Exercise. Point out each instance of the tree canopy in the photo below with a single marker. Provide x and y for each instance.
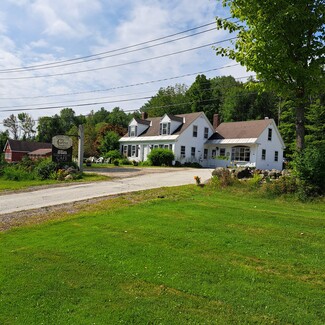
(283, 42)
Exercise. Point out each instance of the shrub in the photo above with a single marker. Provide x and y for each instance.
(16, 173)
(3, 163)
(309, 168)
(27, 164)
(113, 155)
(45, 168)
(159, 157)
(192, 165)
(223, 177)
(255, 181)
(177, 164)
(145, 163)
(116, 162)
(283, 185)
(125, 161)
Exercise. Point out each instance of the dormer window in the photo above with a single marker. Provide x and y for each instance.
(133, 130)
(164, 128)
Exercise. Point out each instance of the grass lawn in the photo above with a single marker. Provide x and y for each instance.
(9, 185)
(185, 255)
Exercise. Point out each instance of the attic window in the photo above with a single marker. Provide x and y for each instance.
(164, 128)
(133, 131)
(269, 135)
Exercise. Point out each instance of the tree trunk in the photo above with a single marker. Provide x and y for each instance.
(300, 120)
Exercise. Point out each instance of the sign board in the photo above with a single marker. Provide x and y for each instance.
(61, 149)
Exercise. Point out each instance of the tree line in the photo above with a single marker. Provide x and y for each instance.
(231, 99)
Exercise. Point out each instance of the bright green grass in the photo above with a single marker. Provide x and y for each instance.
(8, 185)
(195, 256)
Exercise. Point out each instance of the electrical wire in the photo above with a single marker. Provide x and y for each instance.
(18, 108)
(106, 52)
(110, 55)
(122, 87)
(120, 64)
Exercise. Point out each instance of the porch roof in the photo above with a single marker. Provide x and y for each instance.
(243, 141)
(149, 138)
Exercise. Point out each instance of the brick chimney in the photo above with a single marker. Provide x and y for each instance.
(144, 115)
(215, 121)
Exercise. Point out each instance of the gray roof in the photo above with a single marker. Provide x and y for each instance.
(154, 122)
(27, 146)
(240, 130)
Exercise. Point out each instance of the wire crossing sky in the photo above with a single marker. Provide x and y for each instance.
(107, 47)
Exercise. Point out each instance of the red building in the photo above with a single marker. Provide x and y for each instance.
(15, 150)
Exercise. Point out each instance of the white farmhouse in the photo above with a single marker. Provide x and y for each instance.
(184, 134)
(251, 143)
(192, 138)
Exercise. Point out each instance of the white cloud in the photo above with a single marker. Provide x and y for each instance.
(38, 44)
(53, 28)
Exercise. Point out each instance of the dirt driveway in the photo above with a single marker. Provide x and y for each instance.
(123, 172)
(38, 205)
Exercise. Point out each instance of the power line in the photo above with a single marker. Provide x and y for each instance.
(120, 64)
(106, 52)
(106, 56)
(122, 87)
(106, 97)
(18, 108)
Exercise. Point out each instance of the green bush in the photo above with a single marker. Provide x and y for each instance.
(223, 178)
(145, 163)
(113, 155)
(27, 164)
(255, 181)
(45, 168)
(3, 163)
(159, 157)
(17, 173)
(281, 186)
(125, 161)
(309, 168)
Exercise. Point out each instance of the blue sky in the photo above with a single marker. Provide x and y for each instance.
(34, 32)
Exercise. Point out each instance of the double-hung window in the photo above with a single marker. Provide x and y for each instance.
(164, 128)
(182, 151)
(222, 152)
(206, 133)
(195, 131)
(133, 130)
(193, 152)
(269, 134)
(276, 155)
(205, 154)
(263, 154)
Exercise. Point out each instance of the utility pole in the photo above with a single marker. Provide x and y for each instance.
(80, 147)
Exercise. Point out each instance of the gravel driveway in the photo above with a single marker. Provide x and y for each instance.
(125, 180)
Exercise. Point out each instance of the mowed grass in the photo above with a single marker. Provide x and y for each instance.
(185, 255)
(10, 185)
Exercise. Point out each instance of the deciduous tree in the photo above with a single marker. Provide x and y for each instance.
(283, 42)
(13, 126)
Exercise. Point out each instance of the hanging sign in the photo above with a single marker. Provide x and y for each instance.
(61, 149)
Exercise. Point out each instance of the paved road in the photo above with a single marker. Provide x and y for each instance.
(10, 203)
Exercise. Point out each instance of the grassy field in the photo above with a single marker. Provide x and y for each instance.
(9, 185)
(185, 255)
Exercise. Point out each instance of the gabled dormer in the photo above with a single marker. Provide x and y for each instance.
(137, 127)
(169, 124)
